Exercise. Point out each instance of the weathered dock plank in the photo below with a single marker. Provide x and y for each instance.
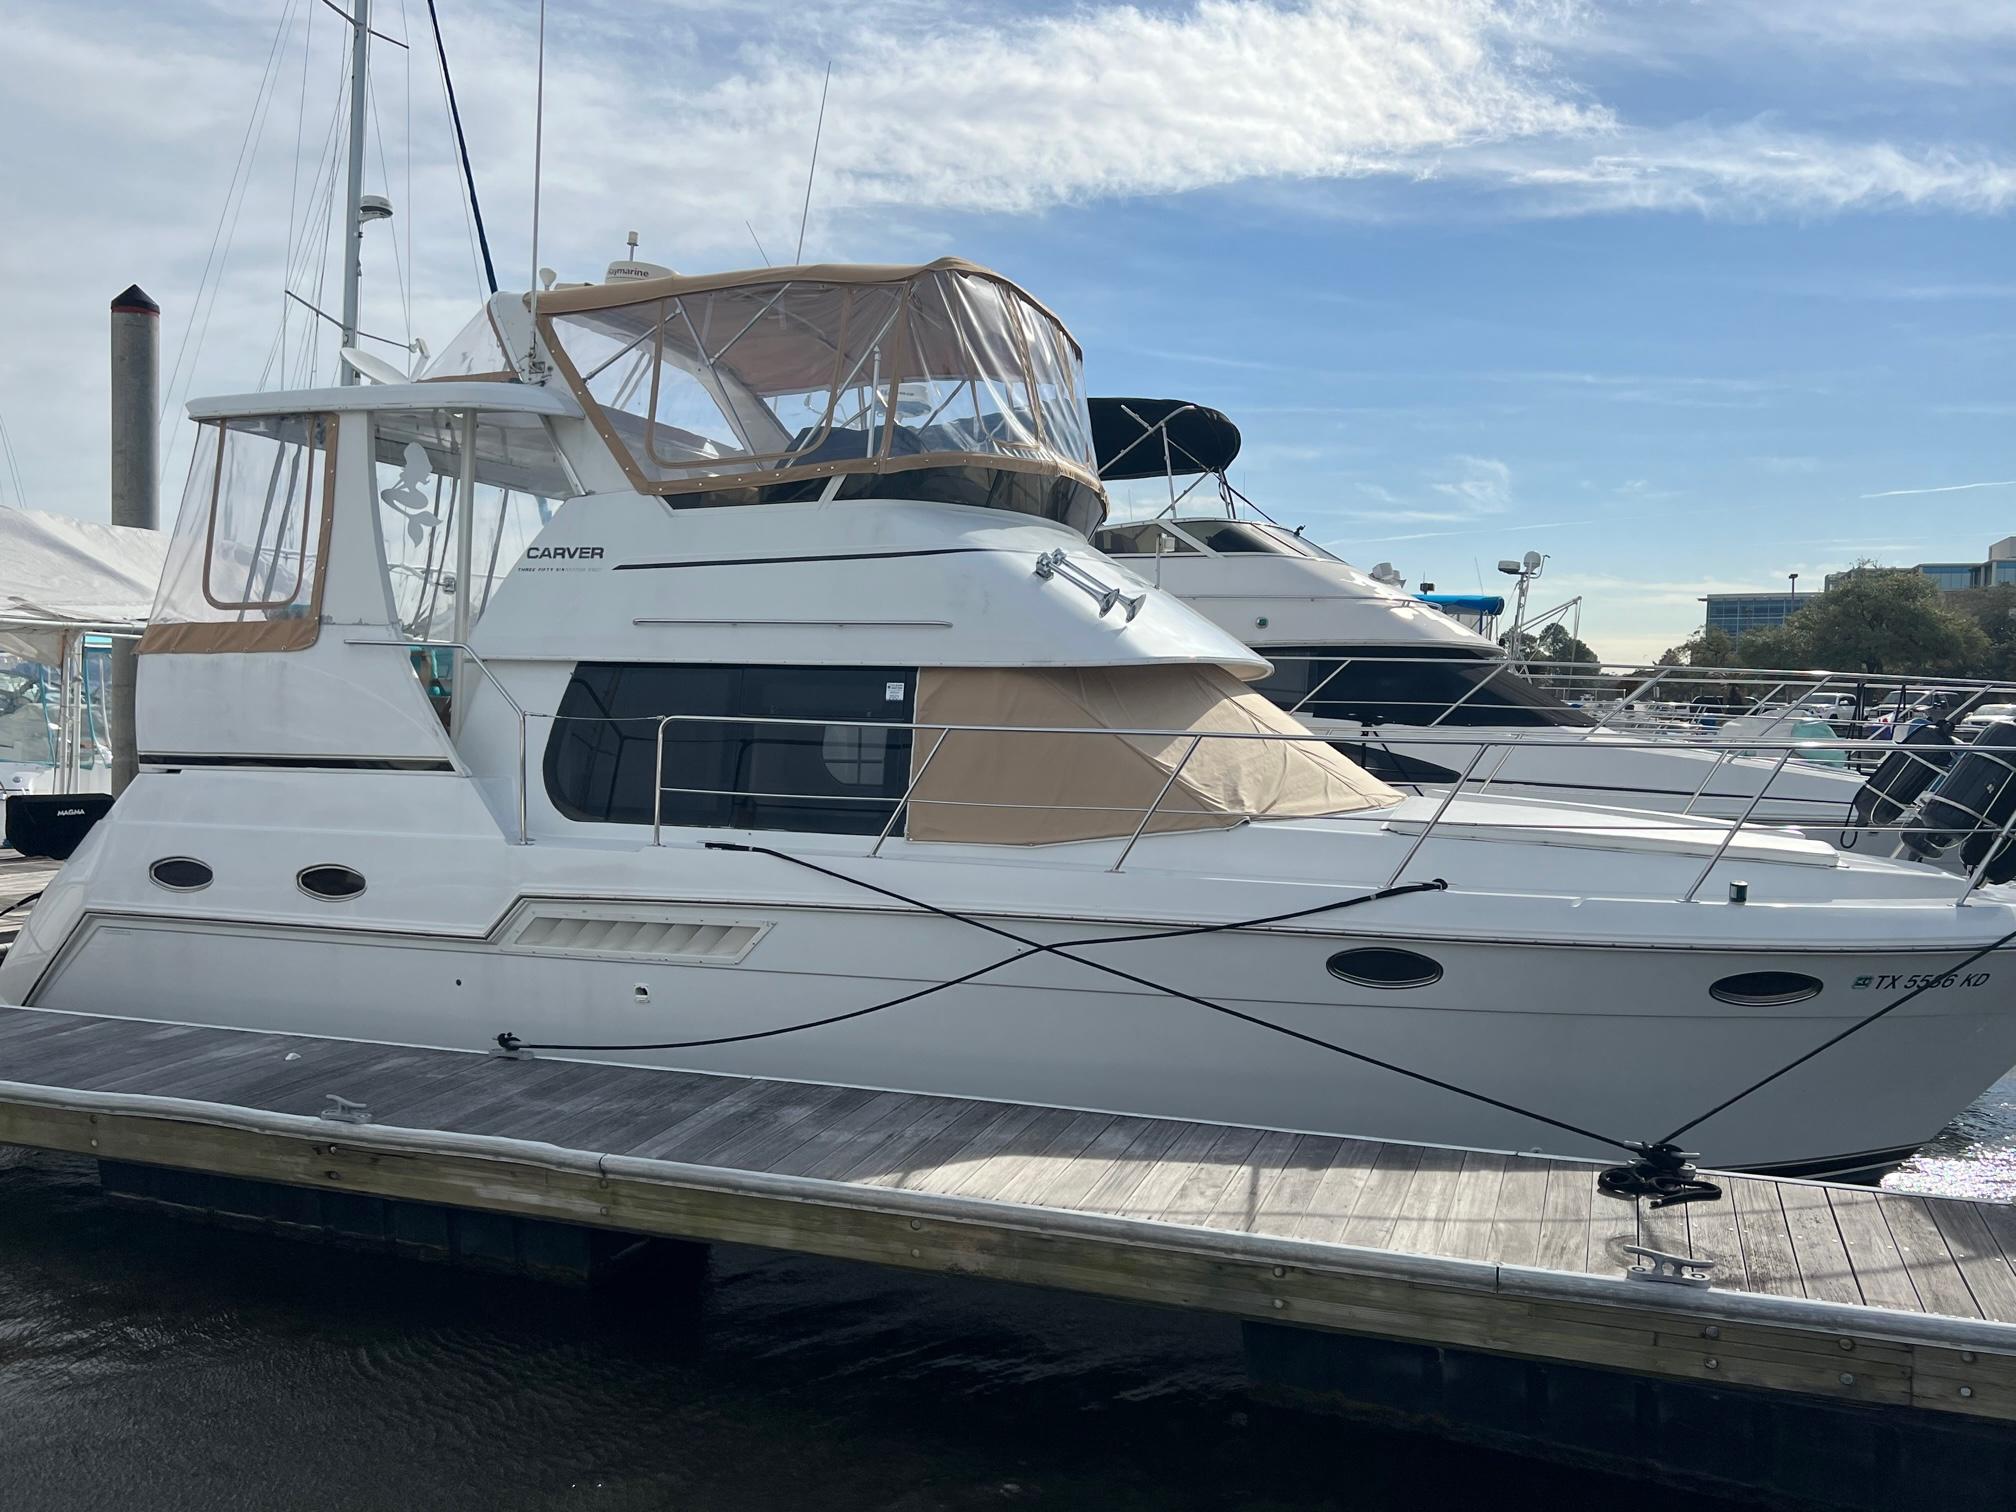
(1465, 1249)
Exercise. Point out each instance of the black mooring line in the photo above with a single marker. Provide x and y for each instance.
(1188, 997)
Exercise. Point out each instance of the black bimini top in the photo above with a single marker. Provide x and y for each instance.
(1130, 445)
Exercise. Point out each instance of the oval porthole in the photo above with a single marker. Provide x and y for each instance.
(180, 874)
(333, 882)
(1765, 989)
(1381, 967)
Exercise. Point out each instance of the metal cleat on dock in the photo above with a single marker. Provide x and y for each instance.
(343, 1110)
(1669, 1270)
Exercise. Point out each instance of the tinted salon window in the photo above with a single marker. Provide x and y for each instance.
(841, 777)
(1381, 685)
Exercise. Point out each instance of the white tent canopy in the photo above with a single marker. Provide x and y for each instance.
(59, 575)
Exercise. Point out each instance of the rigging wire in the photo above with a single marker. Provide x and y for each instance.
(13, 466)
(385, 174)
(240, 177)
(294, 187)
(472, 208)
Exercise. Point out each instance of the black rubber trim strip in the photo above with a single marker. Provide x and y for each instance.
(1834, 1167)
(844, 556)
(308, 763)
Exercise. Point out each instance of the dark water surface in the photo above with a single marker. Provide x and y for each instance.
(1975, 1157)
(153, 1362)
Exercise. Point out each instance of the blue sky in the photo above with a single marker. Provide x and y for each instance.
(1690, 294)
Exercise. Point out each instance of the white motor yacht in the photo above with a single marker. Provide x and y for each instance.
(1399, 684)
(808, 738)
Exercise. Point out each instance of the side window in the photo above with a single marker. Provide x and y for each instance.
(266, 515)
(839, 771)
(244, 566)
(1141, 540)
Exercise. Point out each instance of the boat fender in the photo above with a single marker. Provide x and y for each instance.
(1922, 756)
(1973, 801)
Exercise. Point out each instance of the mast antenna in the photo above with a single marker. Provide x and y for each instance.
(353, 202)
(818, 131)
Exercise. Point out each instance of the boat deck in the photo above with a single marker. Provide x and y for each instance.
(1841, 1292)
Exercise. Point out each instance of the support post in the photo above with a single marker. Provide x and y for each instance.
(136, 498)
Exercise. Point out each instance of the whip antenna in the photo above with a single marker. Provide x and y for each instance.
(538, 152)
(818, 131)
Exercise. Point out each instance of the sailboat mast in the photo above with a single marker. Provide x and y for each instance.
(353, 205)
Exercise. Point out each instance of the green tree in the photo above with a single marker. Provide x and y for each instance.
(1573, 663)
(1874, 619)
(1994, 610)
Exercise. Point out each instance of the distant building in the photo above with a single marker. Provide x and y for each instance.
(1955, 576)
(1737, 613)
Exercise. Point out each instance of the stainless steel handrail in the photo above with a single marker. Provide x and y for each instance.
(518, 709)
(1729, 835)
(1174, 772)
(1478, 747)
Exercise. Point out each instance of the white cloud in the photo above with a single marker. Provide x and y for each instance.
(1752, 169)
(1898, 493)
(686, 122)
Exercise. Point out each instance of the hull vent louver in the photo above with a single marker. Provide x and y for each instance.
(632, 932)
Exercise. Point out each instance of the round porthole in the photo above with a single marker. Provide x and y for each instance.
(1765, 989)
(332, 882)
(1381, 967)
(180, 874)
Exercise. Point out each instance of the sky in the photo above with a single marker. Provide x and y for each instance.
(1689, 295)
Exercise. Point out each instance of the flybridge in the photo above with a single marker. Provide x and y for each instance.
(564, 553)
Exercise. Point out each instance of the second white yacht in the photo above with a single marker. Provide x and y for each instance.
(1398, 684)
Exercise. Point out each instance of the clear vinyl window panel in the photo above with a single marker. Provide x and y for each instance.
(767, 381)
(841, 772)
(244, 565)
(417, 485)
(269, 491)
(745, 381)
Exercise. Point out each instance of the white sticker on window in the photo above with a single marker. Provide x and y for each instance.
(892, 692)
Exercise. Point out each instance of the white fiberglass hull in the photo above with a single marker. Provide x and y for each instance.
(1621, 1038)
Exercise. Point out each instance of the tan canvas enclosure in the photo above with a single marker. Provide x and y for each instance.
(245, 564)
(785, 375)
(1036, 786)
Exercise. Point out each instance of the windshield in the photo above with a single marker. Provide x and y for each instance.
(762, 379)
(1250, 536)
(1385, 685)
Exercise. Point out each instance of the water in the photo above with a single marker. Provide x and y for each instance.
(153, 1362)
(1976, 1155)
